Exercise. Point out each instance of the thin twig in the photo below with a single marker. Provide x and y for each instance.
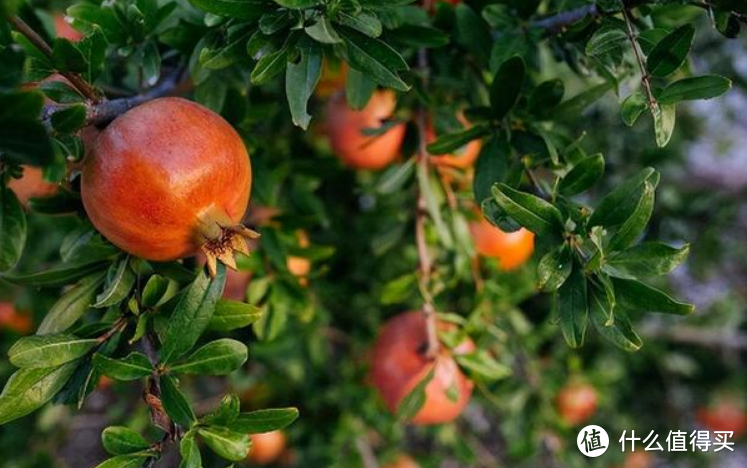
(645, 77)
(366, 453)
(82, 85)
(425, 262)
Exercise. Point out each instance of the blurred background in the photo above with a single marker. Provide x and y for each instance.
(312, 349)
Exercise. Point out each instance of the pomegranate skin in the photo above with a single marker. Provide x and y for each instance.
(163, 173)
(266, 447)
(399, 365)
(31, 185)
(577, 402)
(344, 127)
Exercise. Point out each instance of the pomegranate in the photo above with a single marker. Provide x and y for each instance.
(403, 461)
(31, 185)
(512, 249)
(577, 402)
(11, 319)
(725, 414)
(464, 157)
(266, 447)
(167, 179)
(399, 365)
(345, 128)
(63, 29)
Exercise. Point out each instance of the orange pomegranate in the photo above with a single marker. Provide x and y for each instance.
(638, 459)
(31, 185)
(512, 249)
(11, 319)
(266, 447)
(403, 461)
(399, 365)
(576, 402)
(464, 157)
(345, 128)
(332, 79)
(167, 179)
(725, 414)
(63, 29)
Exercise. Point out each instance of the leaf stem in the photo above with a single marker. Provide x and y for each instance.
(645, 77)
(75, 79)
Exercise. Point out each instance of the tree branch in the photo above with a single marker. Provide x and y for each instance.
(645, 78)
(75, 79)
(555, 24)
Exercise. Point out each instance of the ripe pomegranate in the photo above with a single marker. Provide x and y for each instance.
(512, 249)
(399, 365)
(464, 157)
(638, 459)
(403, 461)
(63, 29)
(332, 79)
(725, 414)
(266, 447)
(31, 185)
(167, 179)
(11, 319)
(577, 402)
(344, 127)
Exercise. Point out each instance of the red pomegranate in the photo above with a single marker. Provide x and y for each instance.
(577, 402)
(167, 179)
(399, 365)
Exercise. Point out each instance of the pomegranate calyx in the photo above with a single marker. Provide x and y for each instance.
(223, 248)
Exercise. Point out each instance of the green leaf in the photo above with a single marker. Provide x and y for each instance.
(228, 411)
(190, 452)
(375, 58)
(49, 350)
(155, 291)
(606, 40)
(583, 176)
(506, 86)
(120, 440)
(697, 87)
(366, 23)
(300, 81)
(484, 365)
(26, 142)
(670, 53)
(451, 142)
(120, 278)
(264, 420)
(572, 308)
(226, 443)
(192, 315)
(61, 92)
(57, 277)
(618, 331)
(632, 107)
(649, 259)
(618, 205)
(664, 119)
(12, 229)
(297, 4)
(67, 57)
(532, 212)
(634, 226)
(71, 306)
(578, 103)
(323, 31)
(132, 367)
(215, 358)
(417, 36)
(175, 403)
(232, 315)
(29, 389)
(554, 269)
(244, 9)
(491, 167)
(227, 55)
(26, 105)
(358, 89)
(414, 401)
(473, 33)
(642, 297)
(270, 65)
(133, 460)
